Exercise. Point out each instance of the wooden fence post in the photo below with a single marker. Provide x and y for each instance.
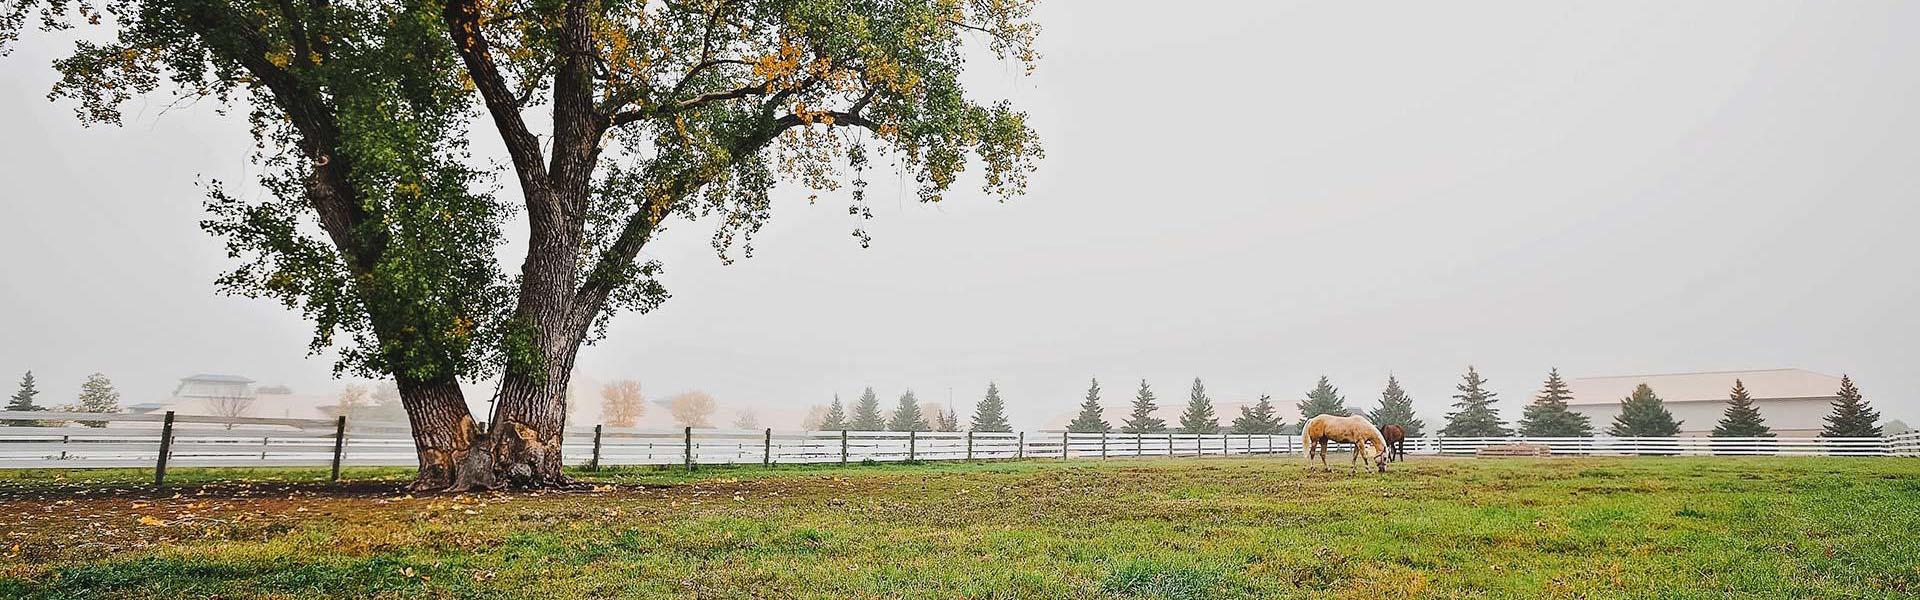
(913, 439)
(1103, 445)
(594, 464)
(166, 445)
(339, 444)
(766, 451)
(1064, 441)
(969, 444)
(843, 447)
(689, 448)
(1169, 444)
(1020, 449)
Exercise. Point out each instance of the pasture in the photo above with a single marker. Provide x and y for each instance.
(1241, 527)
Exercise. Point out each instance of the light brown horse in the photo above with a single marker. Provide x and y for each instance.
(1323, 430)
(1396, 441)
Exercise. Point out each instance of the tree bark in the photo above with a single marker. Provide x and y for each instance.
(445, 437)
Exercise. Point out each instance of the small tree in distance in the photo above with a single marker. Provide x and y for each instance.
(1643, 414)
(835, 418)
(1475, 415)
(1396, 409)
(97, 396)
(1548, 415)
(1852, 416)
(1258, 418)
(991, 413)
(1092, 418)
(866, 413)
(1199, 417)
(1742, 418)
(621, 403)
(22, 400)
(1141, 419)
(1323, 400)
(907, 415)
(692, 409)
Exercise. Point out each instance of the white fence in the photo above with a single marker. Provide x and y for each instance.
(56, 440)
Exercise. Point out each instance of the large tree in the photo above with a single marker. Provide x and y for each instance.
(1092, 418)
(616, 118)
(1258, 418)
(866, 413)
(1474, 414)
(1548, 415)
(907, 415)
(1323, 400)
(1643, 414)
(1741, 418)
(1199, 417)
(1141, 419)
(991, 413)
(1852, 416)
(1396, 408)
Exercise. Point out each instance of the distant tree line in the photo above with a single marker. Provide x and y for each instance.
(97, 395)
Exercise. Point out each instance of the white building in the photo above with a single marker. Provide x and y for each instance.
(1795, 402)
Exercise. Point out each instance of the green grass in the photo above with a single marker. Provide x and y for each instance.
(1169, 528)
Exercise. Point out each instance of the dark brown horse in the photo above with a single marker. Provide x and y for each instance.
(1396, 441)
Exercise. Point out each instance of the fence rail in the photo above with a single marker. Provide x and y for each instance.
(55, 439)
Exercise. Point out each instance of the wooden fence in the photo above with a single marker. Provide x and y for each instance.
(59, 440)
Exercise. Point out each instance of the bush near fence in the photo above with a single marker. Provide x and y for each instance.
(209, 441)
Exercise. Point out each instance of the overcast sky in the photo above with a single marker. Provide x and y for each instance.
(1255, 193)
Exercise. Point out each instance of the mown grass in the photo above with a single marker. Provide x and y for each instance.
(1169, 528)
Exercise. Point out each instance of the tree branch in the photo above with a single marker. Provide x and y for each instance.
(463, 24)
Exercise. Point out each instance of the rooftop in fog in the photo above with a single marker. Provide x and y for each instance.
(1706, 386)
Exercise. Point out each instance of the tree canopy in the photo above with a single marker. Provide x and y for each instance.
(1324, 399)
(866, 413)
(1474, 414)
(1851, 416)
(1199, 416)
(991, 413)
(1741, 418)
(1140, 419)
(1548, 415)
(1092, 418)
(907, 415)
(1260, 417)
(835, 417)
(1396, 408)
(1643, 414)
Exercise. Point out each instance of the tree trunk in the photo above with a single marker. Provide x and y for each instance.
(445, 437)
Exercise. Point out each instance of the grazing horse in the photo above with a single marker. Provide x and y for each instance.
(1396, 442)
(1323, 430)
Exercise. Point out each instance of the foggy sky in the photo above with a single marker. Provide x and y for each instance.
(1253, 193)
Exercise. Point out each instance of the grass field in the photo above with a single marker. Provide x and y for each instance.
(1169, 528)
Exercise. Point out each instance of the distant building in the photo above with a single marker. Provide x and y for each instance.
(1795, 402)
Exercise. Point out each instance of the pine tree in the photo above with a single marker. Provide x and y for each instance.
(1141, 420)
(98, 396)
(1475, 415)
(946, 419)
(991, 413)
(907, 415)
(1323, 400)
(866, 413)
(1742, 418)
(1852, 416)
(1549, 416)
(836, 418)
(1092, 418)
(23, 400)
(1259, 418)
(1396, 409)
(1643, 414)
(1199, 417)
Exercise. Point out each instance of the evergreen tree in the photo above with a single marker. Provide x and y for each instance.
(1549, 416)
(946, 419)
(23, 400)
(1475, 415)
(836, 418)
(1742, 418)
(1852, 416)
(1141, 420)
(991, 413)
(866, 413)
(1199, 417)
(1259, 418)
(1092, 418)
(1643, 414)
(98, 396)
(907, 416)
(1323, 400)
(1396, 408)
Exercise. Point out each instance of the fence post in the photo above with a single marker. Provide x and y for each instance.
(339, 444)
(913, 440)
(1020, 448)
(1063, 444)
(766, 452)
(594, 464)
(1103, 445)
(688, 444)
(969, 444)
(1169, 444)
(166, 445)
(843, 447)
